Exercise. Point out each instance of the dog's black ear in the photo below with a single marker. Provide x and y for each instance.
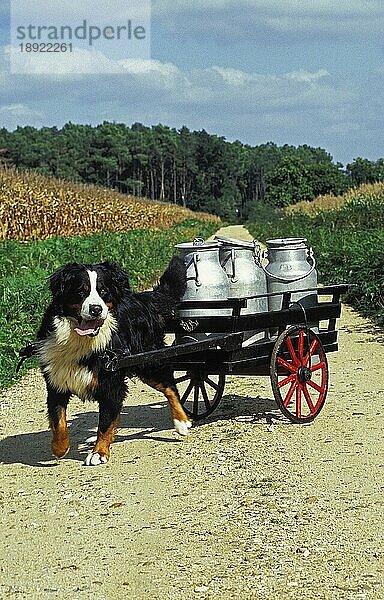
(60, 278)
(118, 278)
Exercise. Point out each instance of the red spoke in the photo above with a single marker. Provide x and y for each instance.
(298, 401)
(312, 349)
(288, 397)
(316, 387)
(292, 352)
(288, 379)
(308, 398)
(287, 365)
(320, 365)
(298, 355)
(300, 348)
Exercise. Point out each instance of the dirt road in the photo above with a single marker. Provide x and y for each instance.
(249, 506)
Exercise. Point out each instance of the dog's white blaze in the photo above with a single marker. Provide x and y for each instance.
(59, 354)
(93, 298)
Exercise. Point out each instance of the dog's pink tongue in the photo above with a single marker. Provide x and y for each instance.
(86, 327)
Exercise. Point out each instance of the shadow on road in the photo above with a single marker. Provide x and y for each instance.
(251, 410)
(141, 422)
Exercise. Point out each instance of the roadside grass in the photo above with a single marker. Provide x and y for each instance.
(26, 266)
(348, 243)
(330, 202)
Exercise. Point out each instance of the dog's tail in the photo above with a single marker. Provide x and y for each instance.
(173, 282)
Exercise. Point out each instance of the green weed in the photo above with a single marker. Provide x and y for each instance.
(348, 243)
(26, 266)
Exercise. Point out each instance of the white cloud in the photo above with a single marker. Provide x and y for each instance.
(214, 88)
(233, 77)
(306, 76)
(303, 106)
(77, 62)
(154, 73)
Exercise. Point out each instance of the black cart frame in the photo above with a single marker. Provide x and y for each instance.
(294, 356)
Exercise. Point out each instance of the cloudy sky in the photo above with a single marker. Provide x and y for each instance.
(288, 71)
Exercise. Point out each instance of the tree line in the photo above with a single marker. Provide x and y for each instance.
(198, 170)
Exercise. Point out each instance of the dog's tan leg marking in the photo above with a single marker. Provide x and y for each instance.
(60, 437)
(180, 419)
(101, 451)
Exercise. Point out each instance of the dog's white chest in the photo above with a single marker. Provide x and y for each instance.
(70, 377)
(62, 353)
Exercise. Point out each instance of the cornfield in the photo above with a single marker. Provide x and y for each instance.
(328, 202)
(34, 207)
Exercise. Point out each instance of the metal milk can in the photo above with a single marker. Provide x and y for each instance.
(291, 267)
(206, 280)
(241, 262)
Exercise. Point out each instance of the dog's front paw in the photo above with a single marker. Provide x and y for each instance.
(182, 427)
(94, 458)
(60, 448)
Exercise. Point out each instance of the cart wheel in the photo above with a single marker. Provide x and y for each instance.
(299, 374)
(200, 392)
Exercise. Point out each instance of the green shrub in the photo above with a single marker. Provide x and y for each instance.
(348, 245)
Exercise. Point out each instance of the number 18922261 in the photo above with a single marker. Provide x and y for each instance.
(46, 47)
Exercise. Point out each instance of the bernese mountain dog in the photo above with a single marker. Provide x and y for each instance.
(94, 309)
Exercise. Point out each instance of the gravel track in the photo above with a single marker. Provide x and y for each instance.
(249, 506)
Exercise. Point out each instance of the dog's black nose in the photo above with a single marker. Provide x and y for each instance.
(95, 310)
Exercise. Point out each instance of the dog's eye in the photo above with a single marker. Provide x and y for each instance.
(103, 291)
(82, 292)
(84, 289)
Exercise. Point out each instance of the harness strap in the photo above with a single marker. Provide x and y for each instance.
(116, 349)
(26, 352)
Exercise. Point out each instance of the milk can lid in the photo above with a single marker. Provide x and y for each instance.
(198, 247)
(234, 242)
(286, 242)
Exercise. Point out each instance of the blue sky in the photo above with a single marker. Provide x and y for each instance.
(286, 71)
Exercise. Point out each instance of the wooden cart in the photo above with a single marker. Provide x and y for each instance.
(294, 358)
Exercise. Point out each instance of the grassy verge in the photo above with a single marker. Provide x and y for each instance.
(25, 268)
(348, 243)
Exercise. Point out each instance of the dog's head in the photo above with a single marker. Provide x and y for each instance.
(87, 293)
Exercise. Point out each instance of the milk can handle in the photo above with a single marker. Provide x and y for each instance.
(310, 255)
(257, 253)
(195, 259)
(233, 262)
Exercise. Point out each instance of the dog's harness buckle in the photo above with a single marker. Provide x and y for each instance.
(109, 360)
